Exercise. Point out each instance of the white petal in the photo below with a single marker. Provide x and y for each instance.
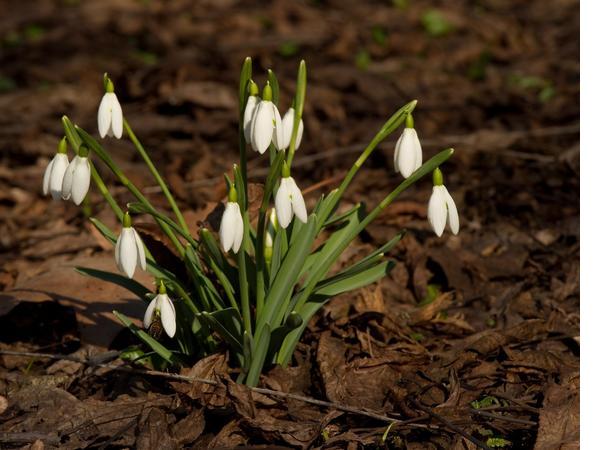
(61, 162)
(249, 115)
(227, 228)
(452, 212)
(437, 210)
(298, 204)
(409, 152)
(104, 114)
(81, 180)
(67, 183)
(141, 254)
(117, 252)
(277, 129)
(283, 204)
(397, 154)
(46, 181)
(288, 127)
(128, 252)
(262, 127)
(239, 229)
(150, 312)
(167, 314)
(116, 117)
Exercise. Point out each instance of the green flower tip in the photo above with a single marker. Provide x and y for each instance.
(233, 196)
(410, 121)
(285, 170)
(108, 84)
(438, 178)
(62, 146)
(83, 151)
(267, 93)
(126, 220)
(161, 287)
(252, 88)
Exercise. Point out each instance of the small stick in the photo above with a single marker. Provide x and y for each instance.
(505, 418)
(449, 424)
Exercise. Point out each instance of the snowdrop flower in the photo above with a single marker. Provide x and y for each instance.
(129, 251)
(250, 110)
(408, 155)
(441, 207)
(110, 115)
(55, 172)
(288, 126)
(266, 124)
(76, 180)
(161, 308)
(289, 200)
(231, 231)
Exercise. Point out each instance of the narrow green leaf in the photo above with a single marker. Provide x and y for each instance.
(71, 133)
(335, 286)
(259, 354)
(140, 208)
(227, 323)
(131, 285)
(274, 86)
(245, 76)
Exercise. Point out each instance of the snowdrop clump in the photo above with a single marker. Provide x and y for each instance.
(254, 283)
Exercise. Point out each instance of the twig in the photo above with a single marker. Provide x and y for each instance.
(449, 424)
(264, 391)
(505, 418)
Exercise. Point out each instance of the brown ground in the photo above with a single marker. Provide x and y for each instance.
(495, 357)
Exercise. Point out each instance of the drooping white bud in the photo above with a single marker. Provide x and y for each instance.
(129, 251)
(54, 175)
(76, 180)
(441, 208)
(288, 126)
(408, 155)
(110, 116)
(163, 307)
(289, 202)
(231, 231)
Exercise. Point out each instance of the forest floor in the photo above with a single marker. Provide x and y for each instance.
(472, 338)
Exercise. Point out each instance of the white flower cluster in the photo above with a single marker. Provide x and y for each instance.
(262, 127)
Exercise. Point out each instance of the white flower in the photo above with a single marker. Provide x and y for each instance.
(76, 181)
(231, 231)
(442, 209)
(266, 127)
(288, 126)
(408, 155)
(249, 115)
(163, 307)
(110, 116)
(289, 201)
(129, 251)
(54, 174)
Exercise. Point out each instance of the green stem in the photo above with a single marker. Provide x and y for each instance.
(243, 278)
(389, 127)
(105, 193)
(106, 159)
(324, 266)
(156, 175)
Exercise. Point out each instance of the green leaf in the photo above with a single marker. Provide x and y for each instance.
(131, 285)
(274, 86)
(227, 323)
(337, 285)
(245, 76)
(335, 220)
(140, 208)
(71, 133)
(160, 349)
(259, 354)
(287, 275)
(278, 336)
